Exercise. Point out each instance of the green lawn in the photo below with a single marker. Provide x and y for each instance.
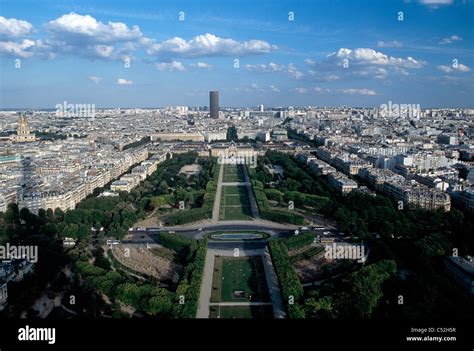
(232, 200)
(233, 173)
(236, 213)
(233, 190)
(235, 203)
(239, 274)
(258, 312)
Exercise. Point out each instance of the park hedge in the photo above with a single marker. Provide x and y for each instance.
(191, 282)
(175, 242)
(289, 281)
(299, 241)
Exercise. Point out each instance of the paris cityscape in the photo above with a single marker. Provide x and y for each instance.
(261, 161)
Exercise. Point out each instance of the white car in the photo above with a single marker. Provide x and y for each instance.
(326, 233)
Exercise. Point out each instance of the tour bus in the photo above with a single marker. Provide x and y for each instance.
(327, 240)
(112, 242)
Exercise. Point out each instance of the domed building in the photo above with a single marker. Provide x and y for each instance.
(23, 134)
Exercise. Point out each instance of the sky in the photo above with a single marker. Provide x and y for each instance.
(134, 53)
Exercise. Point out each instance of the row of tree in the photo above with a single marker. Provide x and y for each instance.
(290, 285)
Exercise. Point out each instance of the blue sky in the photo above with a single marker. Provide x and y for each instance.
(318, 53)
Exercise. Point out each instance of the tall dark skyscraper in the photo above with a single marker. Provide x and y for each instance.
(214, 104)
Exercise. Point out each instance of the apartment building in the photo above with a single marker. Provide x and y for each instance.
(461, 270)
(341, 183)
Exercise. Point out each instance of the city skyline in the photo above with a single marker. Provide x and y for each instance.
(290, 54)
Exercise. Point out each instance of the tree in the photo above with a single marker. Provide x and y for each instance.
(232, 134)
(163, 188)
(25, 214)
(50, 229)
(365, 289)
(42, 213)
(319, 307)
(50, 215)
(59, 214)
(12, 215)
(83, 231)
(129, 293)
(160, 303)
(291, 184)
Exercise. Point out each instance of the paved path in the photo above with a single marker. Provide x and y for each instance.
(273, 286)
(217, 200)
(206, 286)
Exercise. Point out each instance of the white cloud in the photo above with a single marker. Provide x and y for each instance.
(322, 76)
(389, 44)
(320, 90)
(290, 69)
(309, 61)
(274, 89)
(170, 66)
(435, 3)
(294, 72)
(76, 28)
(368, 56)
(207, 45)
(271, 67)
(21, 49)
(449, 69)
(363, 63)
(352, 91)
(85, 36)
(301, 90)
(450, 40)
(122, 81)
(95, 79)
(203, 65)
(11, 28)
